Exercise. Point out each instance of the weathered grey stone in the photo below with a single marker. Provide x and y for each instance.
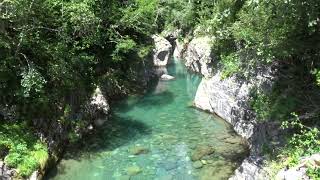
(199, 56)
(229, 99)
(98, 103)
(162, 51)
(250, 169)
(7, 173)
(292, 174)
(166, 77)
(180, 48)
(300, 171)
(95, 110)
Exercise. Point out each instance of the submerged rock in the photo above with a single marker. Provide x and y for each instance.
(166, 77)
(133, 170)
(197, 165)
(162, 51)
(201, 151)
(137, 150)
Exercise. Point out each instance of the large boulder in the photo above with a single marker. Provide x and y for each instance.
(199, 56)
(162, 51)
(97, 104)
(96, 109)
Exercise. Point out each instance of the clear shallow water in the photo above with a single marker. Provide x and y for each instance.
(157, 136)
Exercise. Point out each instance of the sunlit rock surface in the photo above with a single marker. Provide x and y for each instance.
(162, 51)
(199, 57)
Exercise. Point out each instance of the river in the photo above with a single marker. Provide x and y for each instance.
(157, 136)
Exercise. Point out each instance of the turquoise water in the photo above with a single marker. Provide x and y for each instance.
(157, 136)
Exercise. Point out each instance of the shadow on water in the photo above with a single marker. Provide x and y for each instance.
(160, 99)
(116, 132)
(149, 100)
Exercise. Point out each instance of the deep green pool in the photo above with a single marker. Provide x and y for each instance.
(157, 136)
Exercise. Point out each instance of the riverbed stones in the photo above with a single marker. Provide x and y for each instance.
(197, 164)
(201, 151)
(133, 170)
(137, 150)
(162, 51)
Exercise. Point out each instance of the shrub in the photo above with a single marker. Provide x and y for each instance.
(25, 152)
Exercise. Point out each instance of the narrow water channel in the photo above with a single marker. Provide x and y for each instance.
(157, 136)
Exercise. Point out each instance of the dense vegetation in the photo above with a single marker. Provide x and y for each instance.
(53, 49)
(53, 53)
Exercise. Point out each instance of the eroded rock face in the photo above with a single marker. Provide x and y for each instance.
(230, 99)
(250, 169)
(199, 56)
(5, 172)
(180, 48)
(162, 51)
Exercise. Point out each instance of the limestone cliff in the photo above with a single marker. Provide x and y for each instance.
(230, 99)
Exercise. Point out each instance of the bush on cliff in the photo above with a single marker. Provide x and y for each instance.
(22, 149)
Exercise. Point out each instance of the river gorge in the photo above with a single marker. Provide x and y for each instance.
(159, 135)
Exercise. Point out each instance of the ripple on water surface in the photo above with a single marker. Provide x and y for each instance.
(157, 136)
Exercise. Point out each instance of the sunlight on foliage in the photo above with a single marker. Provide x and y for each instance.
(23, 150)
